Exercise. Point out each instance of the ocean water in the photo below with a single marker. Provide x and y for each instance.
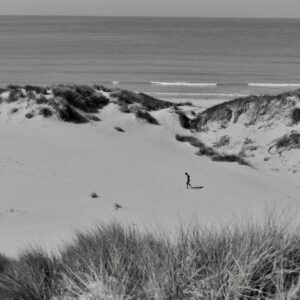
(171, 58)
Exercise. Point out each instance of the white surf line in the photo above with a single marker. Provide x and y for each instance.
(197, 94)
(274, 84)
(188, 84)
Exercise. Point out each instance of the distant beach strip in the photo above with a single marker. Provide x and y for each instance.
(204, 84)
(210, 84)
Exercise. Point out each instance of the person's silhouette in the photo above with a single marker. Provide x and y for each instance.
(188, 180)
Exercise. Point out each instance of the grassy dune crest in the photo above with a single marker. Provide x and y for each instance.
(239, 261)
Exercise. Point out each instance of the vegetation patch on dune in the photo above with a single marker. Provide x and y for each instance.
(230, 158)
(239, 261)
(146, 102)
(143, 114)
(204, 150)
(287, 142)
(84, 98)
(251, 109)
(223, 141)
(70, 103)
(184, 121)
(78, 103)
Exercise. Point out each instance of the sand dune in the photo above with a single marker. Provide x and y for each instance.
(49, 168)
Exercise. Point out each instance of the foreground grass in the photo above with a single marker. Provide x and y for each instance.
(239, 261)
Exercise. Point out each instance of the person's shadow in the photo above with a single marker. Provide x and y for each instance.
(197, 187)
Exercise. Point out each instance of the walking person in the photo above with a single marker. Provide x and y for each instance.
(188, 180)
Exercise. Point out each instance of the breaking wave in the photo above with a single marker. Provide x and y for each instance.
(197, 94)
(279, 85)
(188, 84)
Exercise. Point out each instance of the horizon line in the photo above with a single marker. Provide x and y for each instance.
(151, 16)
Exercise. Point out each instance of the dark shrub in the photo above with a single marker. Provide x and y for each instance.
(206, 151)
(82, 97)
(70, 95)
(68, 114)
(146, 101)
(296, 116)
(29, 115)
(42, 100)
(151, 103)
(184, 121)
(190, 139)
(184, 104)
(230, 158)
(124, 97)
(13, 87)
(14, 96)
(125, 109)
(84, 90)
(34, 88)
(46, 112)
(102, 88)
(287, 142)
(99, 101)
(146, 116)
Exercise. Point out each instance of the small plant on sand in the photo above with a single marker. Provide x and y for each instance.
(223, 141)
(248, 141)
(117, 206)
(94, 195)
(14, 110)
(119, 129)
(29, 115)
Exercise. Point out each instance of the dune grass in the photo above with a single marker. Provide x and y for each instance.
(204, 150)
(143, 114)
(251, 260)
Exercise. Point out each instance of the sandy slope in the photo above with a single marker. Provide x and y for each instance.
(49, 168)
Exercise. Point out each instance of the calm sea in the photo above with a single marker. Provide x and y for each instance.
(172, 58)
